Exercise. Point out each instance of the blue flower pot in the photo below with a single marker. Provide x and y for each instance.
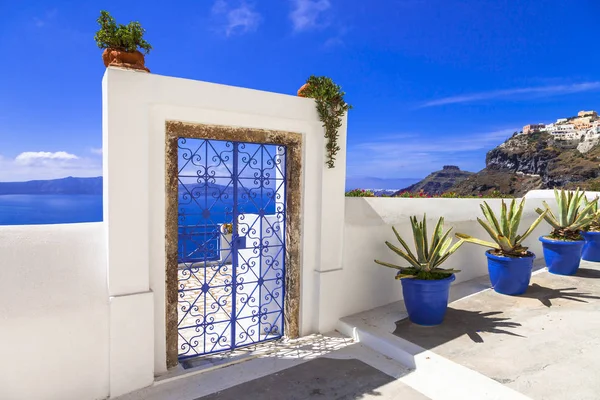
(562, 257)
(510, 275)
(426, 301)
(591, 248)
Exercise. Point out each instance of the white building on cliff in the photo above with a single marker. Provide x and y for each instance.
(584, 125)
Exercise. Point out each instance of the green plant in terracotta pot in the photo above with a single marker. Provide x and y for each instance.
(425, 285)
(564, 245)
(122, 43)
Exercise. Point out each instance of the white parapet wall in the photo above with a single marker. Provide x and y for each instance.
(53, 312)
(362, 285)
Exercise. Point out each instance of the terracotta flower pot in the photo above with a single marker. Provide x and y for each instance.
(124, 59)
(301, 90)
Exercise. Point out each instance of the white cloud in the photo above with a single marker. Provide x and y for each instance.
(37, 157)
(48, 17)
(307, 14)
(32, 165)
(97, 151)
(237, 20)
(338, 39)
(333, 42)
(409, 155)
(219, 7)
(518, 93)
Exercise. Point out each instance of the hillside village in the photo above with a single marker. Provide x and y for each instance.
(583, 128)
(564, 153)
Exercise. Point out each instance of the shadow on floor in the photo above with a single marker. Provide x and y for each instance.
(545, 294)
(321, 378)
(588, 273)
(457, 323)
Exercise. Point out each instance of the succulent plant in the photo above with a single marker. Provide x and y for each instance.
(504, 231)
(593, 226)
(574, 213)
(425, 264)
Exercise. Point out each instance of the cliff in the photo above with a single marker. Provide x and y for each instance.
(439, 182)
(534, 161)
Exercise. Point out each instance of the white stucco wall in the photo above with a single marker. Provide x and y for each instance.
(135, 109)
(53, 312)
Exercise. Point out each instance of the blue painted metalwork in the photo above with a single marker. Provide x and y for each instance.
(199, 243)
(231, 283)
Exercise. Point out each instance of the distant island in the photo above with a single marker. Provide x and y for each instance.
(439, 182)
(67, 186)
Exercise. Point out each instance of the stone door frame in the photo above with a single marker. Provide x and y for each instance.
(294, 163)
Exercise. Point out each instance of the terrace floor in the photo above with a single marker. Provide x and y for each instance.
(314, 367)
(543, 345)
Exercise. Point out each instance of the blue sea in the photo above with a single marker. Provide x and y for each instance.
(36, 209)
(26, 209)
(197, 241)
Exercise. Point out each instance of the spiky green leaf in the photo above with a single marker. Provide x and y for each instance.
(489, 215)
(402, 254)
(404, 244)
(437, 252)
(516, 219)
(528, 232)
(404, 276)
(471, 239)
(425, 239)
(418, 239)
(389, 265)
(493, 234)
(504, 220)
(505, 244)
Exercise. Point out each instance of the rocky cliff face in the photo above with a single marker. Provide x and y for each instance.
(535, 161)
(440, 181)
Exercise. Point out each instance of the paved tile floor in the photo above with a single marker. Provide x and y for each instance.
(544, 344)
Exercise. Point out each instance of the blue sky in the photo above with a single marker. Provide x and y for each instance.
(432, 82)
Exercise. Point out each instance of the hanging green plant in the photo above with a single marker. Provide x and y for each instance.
(331, 108)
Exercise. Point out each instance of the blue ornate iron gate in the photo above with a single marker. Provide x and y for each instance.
(231, 256)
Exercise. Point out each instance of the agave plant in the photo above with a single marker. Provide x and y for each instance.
(504, 230)
(593, 226)
(428, 256)
(574, 213)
